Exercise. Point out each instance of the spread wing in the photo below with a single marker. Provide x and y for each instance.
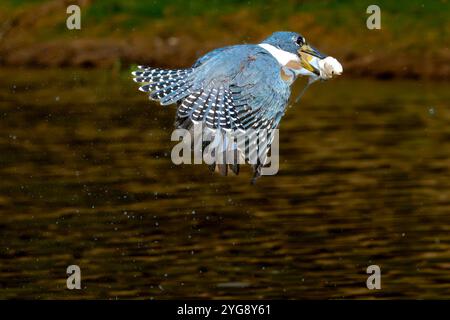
(238, 88)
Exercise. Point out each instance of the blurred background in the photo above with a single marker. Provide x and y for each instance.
(413, 42)
(86, 176)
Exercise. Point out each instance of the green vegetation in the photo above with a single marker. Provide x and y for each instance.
(427, 13)
(411, 29)
(331, 12)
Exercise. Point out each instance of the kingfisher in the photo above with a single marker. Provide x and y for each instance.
(238, 88)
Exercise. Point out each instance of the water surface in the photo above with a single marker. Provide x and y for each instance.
(86, 179)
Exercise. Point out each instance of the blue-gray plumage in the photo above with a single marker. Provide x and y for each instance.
(237, 87)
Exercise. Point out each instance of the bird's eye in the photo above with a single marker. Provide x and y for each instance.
(300, 41)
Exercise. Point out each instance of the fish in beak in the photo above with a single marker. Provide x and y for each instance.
(317, 63)
(307, 54)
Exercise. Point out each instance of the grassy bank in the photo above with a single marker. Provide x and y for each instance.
(413, 41)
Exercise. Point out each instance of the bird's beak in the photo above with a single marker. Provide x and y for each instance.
(306, 48)
(306, 53)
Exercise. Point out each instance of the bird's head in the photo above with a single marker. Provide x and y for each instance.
(296, 44)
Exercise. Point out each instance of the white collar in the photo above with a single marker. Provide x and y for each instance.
(283, 57)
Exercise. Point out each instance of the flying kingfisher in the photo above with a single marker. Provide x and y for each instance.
(238, 88)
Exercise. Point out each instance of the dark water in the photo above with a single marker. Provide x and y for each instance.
(86, 179)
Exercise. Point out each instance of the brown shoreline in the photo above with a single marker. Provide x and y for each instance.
(25, 41)
(108, 53)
